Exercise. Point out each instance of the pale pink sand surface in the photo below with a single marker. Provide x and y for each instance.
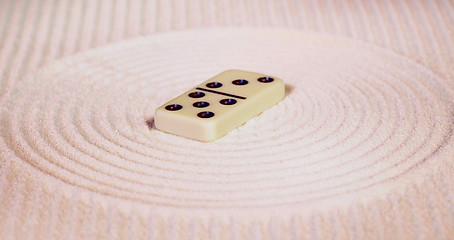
(362, 146)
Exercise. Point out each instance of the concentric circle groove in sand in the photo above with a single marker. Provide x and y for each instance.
(355, 117)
